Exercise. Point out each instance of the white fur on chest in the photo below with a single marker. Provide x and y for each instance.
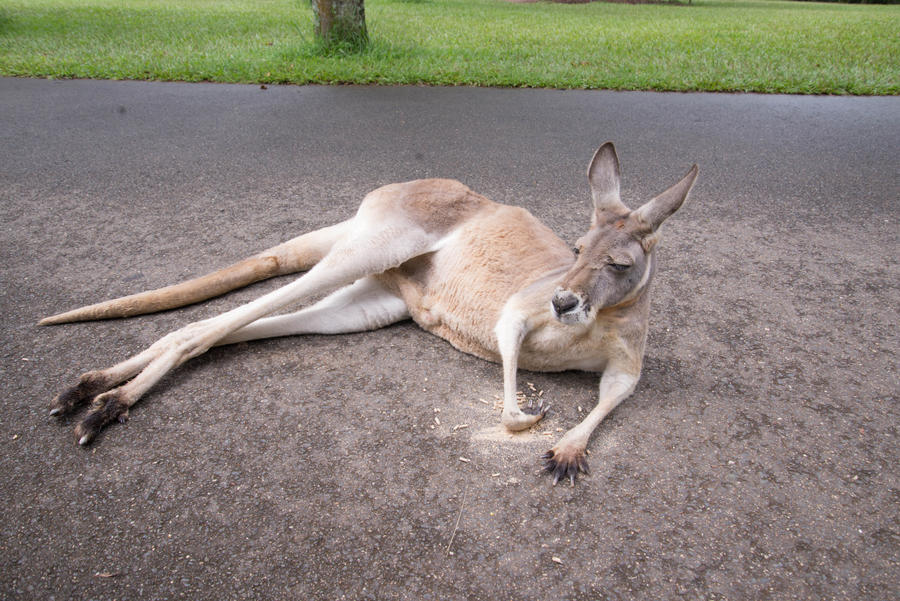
(554, 346)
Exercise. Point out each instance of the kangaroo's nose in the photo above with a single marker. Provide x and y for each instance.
(564, 301)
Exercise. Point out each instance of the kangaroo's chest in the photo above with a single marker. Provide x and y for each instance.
(548, 345)
(553, 346)
(543, 349)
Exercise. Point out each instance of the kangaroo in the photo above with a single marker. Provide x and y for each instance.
(489, 278)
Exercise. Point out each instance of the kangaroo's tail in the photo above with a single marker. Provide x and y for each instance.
(298, 254)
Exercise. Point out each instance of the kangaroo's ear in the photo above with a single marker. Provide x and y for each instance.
(652, 214)
(603, 174)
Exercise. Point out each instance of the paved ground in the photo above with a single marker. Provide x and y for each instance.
(756, 460)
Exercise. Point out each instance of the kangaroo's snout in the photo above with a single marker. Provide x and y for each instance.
(565, 305)
(564, 301)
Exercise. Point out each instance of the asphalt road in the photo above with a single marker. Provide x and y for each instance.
(757, 459)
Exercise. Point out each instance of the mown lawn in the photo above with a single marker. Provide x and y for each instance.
(716, 45)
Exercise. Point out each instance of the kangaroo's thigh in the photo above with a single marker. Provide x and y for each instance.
(364, 305)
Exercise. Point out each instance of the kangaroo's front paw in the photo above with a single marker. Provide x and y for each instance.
(89, 385)
(565, 460)
(523, 419)
(106, 408)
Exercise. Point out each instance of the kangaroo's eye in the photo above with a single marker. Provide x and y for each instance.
(620, 267)
(576, 250)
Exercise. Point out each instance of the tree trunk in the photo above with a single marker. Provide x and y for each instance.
(341, 22)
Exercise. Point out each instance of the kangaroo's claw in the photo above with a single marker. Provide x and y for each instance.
(565, 465)
(523, 419)
(539, 410)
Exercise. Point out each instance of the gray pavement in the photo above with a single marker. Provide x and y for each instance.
(757, 459)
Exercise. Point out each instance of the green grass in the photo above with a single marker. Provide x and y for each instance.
(718, 45)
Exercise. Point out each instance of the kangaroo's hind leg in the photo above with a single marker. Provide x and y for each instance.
(368, 247)
(364, 305)
(298, 254)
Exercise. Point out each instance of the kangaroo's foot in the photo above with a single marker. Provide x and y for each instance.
(565, 460)
(115, 389)
(89, 385)
(107, 406)
(105, 409)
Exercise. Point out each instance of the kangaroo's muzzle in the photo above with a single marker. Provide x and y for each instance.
(568, 307)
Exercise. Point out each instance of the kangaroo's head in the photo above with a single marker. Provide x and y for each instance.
(614, 259)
